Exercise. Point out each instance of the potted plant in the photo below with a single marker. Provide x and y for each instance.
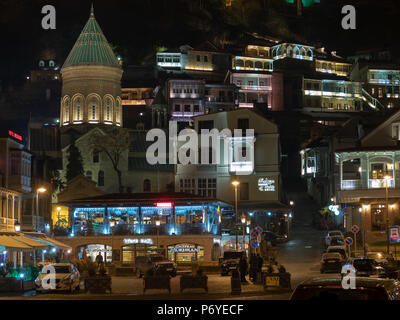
(195, 280)
(278, 279)
(96, 282)
(159, 280)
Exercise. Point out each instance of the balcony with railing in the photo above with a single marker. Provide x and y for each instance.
(7, 225)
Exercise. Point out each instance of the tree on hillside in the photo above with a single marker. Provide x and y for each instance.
(74, 158)
(113, 142)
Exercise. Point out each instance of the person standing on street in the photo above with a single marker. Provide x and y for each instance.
(99, 259)
(243, 268)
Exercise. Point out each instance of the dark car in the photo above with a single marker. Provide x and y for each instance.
(230, 261)
(165, 267)
(155, 262)
(332, 289)
(332, 262)
(367, 267)
(271, 237)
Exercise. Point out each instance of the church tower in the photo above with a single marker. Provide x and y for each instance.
(91, 90)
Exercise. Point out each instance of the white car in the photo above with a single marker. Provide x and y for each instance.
(340, 249)
(333, 234)
(67, 278)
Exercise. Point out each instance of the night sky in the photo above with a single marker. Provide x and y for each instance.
(136, 28)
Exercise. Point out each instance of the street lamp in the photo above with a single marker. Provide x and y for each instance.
(236, 183)
(387, 178)
(243, 220)
(291, 203)
(158, 223)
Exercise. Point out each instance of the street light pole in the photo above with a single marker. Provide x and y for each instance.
(387, 215)
(244, 230)
(235, 184)
(158, 223)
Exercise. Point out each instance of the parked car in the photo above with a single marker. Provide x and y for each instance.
(155, 262)
(366, 267)
(331, 234)
(230, 261)
(66, 275)
(271, 237)
(164, 267)
(332, 289)
(337, 241)
(332, 262)
(339, 249)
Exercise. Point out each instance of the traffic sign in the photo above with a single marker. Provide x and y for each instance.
(259, 229)
(254, 244)
(254, 233)
(349, 241)
(355, 229)
(394, 234)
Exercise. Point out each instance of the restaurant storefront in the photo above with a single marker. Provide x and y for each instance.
(185, 253)
(182, 227)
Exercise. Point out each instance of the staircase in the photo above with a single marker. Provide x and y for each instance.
(371, 101)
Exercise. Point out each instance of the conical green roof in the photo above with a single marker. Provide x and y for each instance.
(92, 47)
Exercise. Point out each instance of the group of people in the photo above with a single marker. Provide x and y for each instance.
(256, 263)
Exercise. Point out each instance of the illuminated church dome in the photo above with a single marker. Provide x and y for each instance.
(91, 74)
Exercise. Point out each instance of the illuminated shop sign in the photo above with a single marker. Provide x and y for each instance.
(164, 204)
(14, 135)
(136, 241)
(185, 248)
(266, 185)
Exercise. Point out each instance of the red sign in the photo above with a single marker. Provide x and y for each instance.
(164, 204)
(14, 135)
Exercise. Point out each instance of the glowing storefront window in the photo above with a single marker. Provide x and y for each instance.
(185, 253)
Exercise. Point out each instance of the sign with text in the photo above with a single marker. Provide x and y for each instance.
(394, 234)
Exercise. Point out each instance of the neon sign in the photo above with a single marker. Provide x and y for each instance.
(164, 204)
(264, 184)
(14, 135)
(135, 241)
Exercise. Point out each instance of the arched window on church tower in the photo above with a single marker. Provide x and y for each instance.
(109, 110)
(93, 112)
(78, 109)
(66, 109)
(117, 113)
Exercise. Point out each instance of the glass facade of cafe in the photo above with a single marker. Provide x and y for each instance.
(182, 230)
(174, 220)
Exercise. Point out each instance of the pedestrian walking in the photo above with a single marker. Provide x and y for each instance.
(253, 267)
(99, 259)
(243, 268)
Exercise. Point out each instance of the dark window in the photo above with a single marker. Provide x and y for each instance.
(196, 108)
(95, 156)
(100, 182)
(198, 58)
(146, 185)
(205, 59)
(89, 174)
(177, 108)
(187, 108)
